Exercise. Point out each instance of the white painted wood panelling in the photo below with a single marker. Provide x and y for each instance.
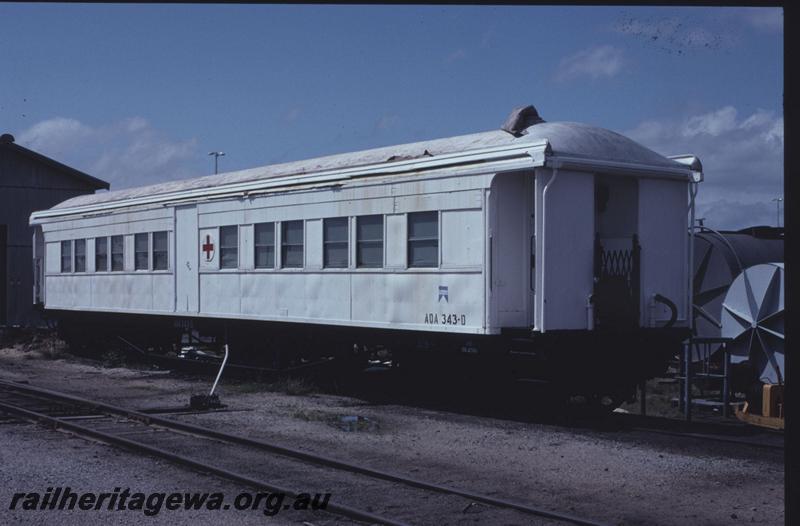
(462, 239)
(663, 223)
(395, 243)
(312, 248)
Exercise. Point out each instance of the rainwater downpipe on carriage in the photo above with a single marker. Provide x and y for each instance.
(547, 187)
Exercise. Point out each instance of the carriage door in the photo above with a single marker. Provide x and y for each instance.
(186, 260)
(616, 293)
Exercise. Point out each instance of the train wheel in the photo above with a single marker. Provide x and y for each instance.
(594, 404)
(604, 404)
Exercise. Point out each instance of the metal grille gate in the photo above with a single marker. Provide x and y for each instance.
(616, 286)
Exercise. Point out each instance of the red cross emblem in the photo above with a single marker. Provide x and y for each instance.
(208, 248)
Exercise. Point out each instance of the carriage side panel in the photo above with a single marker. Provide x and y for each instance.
(663, 224)
(565, 258)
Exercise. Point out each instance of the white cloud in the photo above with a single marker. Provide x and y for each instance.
(489, 36)
(714, 123)
(758, 119)
(292, 115)
(386, 122)
(126, 153)
(458, 54)
(742, 160)
(135, 124)
(764, 18)
(594, 62)
(774, 135)
(56, 134)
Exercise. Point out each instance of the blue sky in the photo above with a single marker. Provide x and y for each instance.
(137, 94)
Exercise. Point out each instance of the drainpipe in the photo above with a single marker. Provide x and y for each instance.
(590, 312)
(544, 244)
(693, 187)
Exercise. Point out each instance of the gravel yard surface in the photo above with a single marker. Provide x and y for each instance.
(33, 460)
(615, 477)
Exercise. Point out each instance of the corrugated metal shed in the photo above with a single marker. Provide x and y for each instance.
(29, 181)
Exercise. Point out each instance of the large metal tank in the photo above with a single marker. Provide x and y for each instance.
(719, 257)
(753, 318)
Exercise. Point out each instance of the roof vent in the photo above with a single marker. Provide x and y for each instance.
(394, 158)
(6, 138)
(520, 119)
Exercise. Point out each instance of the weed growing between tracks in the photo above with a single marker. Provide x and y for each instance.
(35, 344)
(295, 386)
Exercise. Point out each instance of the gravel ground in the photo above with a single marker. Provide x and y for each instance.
(33, 460)
(617, 477)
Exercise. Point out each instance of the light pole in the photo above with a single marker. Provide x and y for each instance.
(216, 155)
(777, 201)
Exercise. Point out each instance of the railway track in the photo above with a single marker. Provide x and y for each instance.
(191, 446)
(733, 433)
(772, 445)
(738, 434)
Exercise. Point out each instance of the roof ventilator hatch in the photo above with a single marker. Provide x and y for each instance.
(394, 158)
(521, 119)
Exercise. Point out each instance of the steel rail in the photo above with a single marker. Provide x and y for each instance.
(660, 422)
(712, 438)
(57, 423)
(309, 457)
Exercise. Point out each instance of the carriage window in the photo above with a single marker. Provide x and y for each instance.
(265, 245)
(80, 255)
(229, 246)
(292, 244)
(160, 251)
(66, 256)
(101, 254)
(369, 241)
(423, 239)
(117, 253)
(334, 240)
(140, 252)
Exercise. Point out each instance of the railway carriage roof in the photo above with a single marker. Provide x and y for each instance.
(565, 138)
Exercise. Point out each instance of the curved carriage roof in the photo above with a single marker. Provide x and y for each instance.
(566, 138)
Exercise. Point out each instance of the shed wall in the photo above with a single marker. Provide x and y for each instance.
(26, 185)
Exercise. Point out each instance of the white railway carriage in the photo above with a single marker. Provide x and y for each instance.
(544, 239)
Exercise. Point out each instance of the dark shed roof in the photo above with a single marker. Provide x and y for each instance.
(7, 142)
